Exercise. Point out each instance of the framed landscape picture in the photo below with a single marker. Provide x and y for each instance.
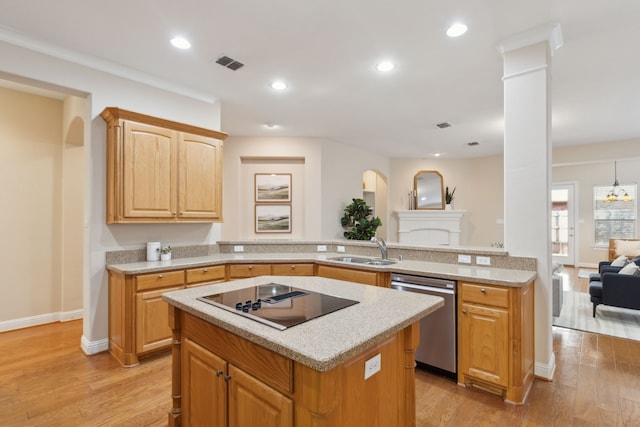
(273, 187)
(273, 218)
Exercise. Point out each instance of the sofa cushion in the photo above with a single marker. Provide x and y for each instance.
(595, 289)
(630, 268)
(622, 260)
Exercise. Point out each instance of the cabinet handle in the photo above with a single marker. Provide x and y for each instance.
(159, 276)
(227, 377)
(206, 270)
(464, 311)
(218, 373)
(483, 290)
(173, 213)
(293, 267)
(250, 267)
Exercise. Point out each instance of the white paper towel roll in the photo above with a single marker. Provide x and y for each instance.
(153, 251)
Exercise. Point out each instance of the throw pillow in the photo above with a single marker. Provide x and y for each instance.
(630, 268)
(621, 261)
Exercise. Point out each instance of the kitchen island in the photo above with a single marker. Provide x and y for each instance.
(351, 367)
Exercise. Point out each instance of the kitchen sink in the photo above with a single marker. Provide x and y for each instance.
(359, 260)
(363, 260)
(381, 262)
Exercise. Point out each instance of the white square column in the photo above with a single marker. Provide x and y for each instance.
(527, 170)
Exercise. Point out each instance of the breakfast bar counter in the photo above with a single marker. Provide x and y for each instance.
(353, 366)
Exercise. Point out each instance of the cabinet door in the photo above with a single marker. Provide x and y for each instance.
(484, 347)
(149, 183)
(204, 390)
(253, 403)
(152, 321)
(199, 177)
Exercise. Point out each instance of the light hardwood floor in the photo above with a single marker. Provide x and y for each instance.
(45, 379)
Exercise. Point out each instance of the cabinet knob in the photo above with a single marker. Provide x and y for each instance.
(227, 377)
(218, 373)
(159, 276)
(464, 311)
(181, 213)
(250, 267)
(293, 267)
(483, 290)
(206, 270)
(173, 213)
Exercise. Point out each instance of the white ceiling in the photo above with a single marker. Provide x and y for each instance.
(327, 50)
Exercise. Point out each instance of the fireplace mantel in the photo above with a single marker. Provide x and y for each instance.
(432, 227)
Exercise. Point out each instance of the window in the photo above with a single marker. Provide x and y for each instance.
(614, 220)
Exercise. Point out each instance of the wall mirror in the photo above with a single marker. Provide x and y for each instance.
(429, 190)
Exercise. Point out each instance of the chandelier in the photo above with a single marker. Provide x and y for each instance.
(617, 194)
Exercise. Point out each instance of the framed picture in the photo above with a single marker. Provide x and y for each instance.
(273, 187)
(273, 218)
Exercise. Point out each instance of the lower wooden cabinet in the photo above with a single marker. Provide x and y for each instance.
(152, 321)
(354, 275)
(496, 338)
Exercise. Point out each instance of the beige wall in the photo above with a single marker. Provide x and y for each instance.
(31, 225)
(479, 192)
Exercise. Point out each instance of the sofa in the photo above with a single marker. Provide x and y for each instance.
(615, 289)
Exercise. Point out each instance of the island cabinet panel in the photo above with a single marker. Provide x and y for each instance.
(353, 275)
(161, 171)
(220, 378)
(496, 338)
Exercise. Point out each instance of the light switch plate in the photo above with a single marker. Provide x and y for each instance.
(372, 366)
(322, 248)
(464, 259)
(340, 248)
(483, 260)
(238, 248)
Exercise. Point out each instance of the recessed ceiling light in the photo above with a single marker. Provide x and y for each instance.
(180, 43)
(270, 126)
(436, 154)
(385, 66)
(279, 85)
(456, 30)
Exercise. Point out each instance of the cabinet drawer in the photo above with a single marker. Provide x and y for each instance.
(205, 274)
(237, 271)
(486, 295)
(292, 269)
(159, 280)
(348, 274)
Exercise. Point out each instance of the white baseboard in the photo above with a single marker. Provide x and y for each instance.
(41, 319)
(587, 265)
(546, 370)
(94, 347)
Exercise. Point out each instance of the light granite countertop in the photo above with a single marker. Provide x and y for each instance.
(487, 275)
(327, 341)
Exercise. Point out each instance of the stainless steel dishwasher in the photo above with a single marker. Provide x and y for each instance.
(438, 331)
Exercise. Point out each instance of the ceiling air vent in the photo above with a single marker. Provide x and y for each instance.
(229, 63)
(443, 125)
(473, 143)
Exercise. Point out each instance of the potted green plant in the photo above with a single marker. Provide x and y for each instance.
(448, 197)
(165, 253)
(359, 221)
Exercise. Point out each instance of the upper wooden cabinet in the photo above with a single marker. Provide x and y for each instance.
(161, 171)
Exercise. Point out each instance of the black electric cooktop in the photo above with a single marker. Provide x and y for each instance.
(276, 305)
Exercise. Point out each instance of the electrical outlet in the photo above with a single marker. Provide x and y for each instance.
(238, 248)
(322, 248)
(483, 260)
(464, 259)
(340, 248)
(372, 366)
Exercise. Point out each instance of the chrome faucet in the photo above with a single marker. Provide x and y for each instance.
(382, 245)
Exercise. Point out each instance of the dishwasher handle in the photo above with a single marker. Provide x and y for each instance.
(421, 288)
